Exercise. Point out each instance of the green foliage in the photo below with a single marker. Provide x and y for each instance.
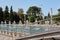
(39, 18)
(33, 10)
(21, 15)
(11, 15)
(56, 17)
(45, 17)
(1, 14)
(49, 16)
(59, 9)
(32, 13)
(32, 19)
(6, 14)
(16, 17)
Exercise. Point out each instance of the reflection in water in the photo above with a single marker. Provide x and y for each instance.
(27, 29)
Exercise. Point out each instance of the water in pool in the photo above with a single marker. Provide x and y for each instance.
(27, 29)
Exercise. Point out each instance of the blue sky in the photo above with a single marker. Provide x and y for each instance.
(25, 4)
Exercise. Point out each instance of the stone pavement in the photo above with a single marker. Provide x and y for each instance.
(4, 37)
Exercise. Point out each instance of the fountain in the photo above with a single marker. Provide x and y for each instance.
(1, 22)
(14, 22)
(5, 22)
(19, 22)
(9, 23)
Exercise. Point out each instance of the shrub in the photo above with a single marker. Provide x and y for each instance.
(32, 19)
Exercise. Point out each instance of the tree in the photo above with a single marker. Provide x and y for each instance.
(59, 11)
(45, 17)
(49, 16)
(1, 14)
(32, 19)
(11, 15)
(16, 17)
(34, 10)
(21, 15)
(56, 17)
(6, 14)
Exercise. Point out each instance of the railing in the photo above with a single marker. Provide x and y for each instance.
(14, 35)
(43, 35)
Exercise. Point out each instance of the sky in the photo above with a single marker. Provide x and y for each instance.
(46, 5)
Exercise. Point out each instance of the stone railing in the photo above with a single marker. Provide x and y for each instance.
(14, 35)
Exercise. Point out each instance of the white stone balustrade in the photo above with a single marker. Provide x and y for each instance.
(12, 34)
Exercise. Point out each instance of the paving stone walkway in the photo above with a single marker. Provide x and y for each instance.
(4, 37)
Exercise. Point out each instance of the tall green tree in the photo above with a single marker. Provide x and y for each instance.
(21, 15)
(34, 10)
(16, 17)
(6, 14)
(49, 16)
(1, 14)
(11, 15)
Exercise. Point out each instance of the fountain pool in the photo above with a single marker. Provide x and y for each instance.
(27, 29)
